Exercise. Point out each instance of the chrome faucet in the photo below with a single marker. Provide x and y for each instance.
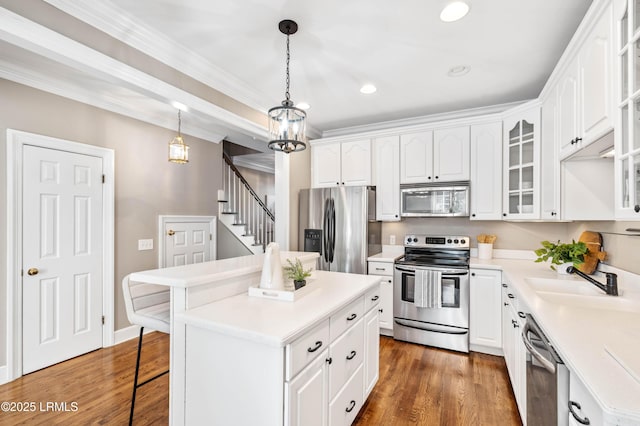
(611, 287)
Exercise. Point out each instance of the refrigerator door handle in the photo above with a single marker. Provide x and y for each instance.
(325, 233)
(333, 229)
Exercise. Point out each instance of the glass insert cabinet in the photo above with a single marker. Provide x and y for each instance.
(627, 140)
(522, 161)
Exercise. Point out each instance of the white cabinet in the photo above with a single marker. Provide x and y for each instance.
(584, 92)
(515, 353)
(385, 309)
(386, 159)
(549, 161)
(582, 406)
(371, 351)
(451, 151)
(485, 314)
(627, 137)
(486, 171)
(521, 155)
(307, 394)
(441, 155)
(341, 163)
(416, 157)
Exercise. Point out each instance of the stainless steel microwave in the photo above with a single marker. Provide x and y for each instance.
(435, 200)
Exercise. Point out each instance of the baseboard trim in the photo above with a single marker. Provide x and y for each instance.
(128, 333)
(3, 375)
(486, 350)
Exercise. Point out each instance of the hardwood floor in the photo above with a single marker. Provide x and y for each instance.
(417, 386)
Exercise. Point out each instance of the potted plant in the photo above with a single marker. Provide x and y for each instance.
(296, 272)
(563, 254)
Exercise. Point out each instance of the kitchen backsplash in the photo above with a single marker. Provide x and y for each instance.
(622, 250)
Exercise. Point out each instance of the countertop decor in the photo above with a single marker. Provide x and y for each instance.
(561, 253)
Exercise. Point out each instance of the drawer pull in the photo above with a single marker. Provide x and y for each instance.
(316, 347)
(374, 298)
(521, 314)
(351, 406)
(381, 269)
(580, 420)
(329, 360)
(351, 356)
(352, 317)
(511, 296)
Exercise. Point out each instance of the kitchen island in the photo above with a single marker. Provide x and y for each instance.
(251, 360)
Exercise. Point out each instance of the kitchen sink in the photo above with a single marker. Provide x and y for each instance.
(611, 303)
(564, 286)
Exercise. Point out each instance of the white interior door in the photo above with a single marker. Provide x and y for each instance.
(187, 242)
(62, 256)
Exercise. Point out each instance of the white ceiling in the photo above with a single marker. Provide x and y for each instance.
(401, 47)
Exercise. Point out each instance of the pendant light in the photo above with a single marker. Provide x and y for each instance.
(178, 150)
(286, 122)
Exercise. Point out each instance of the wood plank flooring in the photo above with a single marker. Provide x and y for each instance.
(417, 386)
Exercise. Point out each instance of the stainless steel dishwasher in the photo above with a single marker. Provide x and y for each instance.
(547, 379)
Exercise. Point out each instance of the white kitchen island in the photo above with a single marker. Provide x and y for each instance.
(255, 361)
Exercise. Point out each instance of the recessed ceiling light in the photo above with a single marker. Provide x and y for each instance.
(368, 89)
(459, 70)
(454, 11)
(180, 106)
(303, 105)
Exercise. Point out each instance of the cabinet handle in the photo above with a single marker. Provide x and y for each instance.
(636, 208)
(515, 324)
(504, 214)
(381, 269)
(351, 406)
(436, 177)
(396, 215)
(504, 285)
(578, 140)
(351, 356)
(380, 310)
(573, 141)
(473, 274)
(352, 317)
(343, 183)
(553, 213)
(473, 215)
(521, 314)
(511, 296)
(337, 183)
(506, 304)
(316, 347)
(374, 298)
(580, 420)
(429, 177)
(329, 360)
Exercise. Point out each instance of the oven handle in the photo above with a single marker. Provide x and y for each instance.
(527, 343)
(448, 272)
(444, 329)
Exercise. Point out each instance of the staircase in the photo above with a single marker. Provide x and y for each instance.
(243, 212)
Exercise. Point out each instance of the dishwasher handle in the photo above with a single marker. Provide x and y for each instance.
(548, 365)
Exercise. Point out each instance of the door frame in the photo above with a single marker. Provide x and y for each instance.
(164, 219)
(16, 140)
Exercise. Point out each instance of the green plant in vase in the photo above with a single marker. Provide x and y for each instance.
(562, 253)
(297, 273)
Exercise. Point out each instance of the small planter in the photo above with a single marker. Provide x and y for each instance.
(299, 284)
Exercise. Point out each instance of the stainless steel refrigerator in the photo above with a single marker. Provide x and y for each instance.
(340, 224)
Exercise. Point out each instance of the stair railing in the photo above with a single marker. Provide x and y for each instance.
(251, 210)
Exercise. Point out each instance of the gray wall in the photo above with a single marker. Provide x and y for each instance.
(146, 184)
(228, 244)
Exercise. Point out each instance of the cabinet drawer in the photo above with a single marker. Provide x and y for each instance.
(345, 406)
(346, 317)
(380, 268)
(372, 298)
(580, 396)
(306, 348)
(346, 354)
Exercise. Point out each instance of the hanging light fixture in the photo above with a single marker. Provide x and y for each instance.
(286, 122)
(178, 150)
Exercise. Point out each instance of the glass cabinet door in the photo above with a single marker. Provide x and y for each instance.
(627, 153)
(521, 154)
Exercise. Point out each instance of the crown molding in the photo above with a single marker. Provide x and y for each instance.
(112, 20)
(251, 162)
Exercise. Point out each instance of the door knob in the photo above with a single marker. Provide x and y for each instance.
(171, 232)
(32, 271)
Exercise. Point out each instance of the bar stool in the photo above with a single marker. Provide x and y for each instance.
(147, 305)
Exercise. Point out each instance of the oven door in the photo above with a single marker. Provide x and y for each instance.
(455, 297)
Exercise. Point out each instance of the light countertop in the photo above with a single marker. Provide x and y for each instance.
(385, 256)
(580, 334)
(276, 322)
(215, 270)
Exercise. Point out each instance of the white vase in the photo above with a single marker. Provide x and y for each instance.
(562, 268)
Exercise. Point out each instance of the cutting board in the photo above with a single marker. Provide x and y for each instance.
(593, 240)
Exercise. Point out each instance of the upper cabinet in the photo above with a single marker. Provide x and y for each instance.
(549, 161)
(486, 171)
(584, 91)
(435, 156)
(521, 182)
(627, 139)
(345, 163)
(386, 159)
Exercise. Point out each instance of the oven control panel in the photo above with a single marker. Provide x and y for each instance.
(441, 241)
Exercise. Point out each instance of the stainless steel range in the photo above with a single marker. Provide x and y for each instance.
(431, 292)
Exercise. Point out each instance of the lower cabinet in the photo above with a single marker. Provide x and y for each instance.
(371, 351)
(485, 315)
(515, 353)
(583, 409)
(385, 270)
(307, 394)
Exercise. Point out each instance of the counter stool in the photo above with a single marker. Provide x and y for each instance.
(147, 305)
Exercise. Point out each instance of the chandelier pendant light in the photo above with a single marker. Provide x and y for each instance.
(178, 150)
(286, 122)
